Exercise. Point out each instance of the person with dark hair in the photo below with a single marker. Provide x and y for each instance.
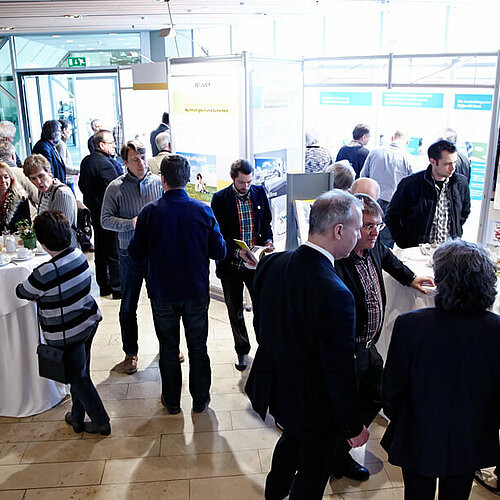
(430, 206)
(97, 170)
(14, 206)
(96, 126)
(163, 127)
(62, 149)
(463, 163)
(52, 193)
(355, 152)
(243, 213)
(303, 372)
(442, 379)
(46, 146)
(176, 236)
(123, 200)
(362, 273)
(65, 280)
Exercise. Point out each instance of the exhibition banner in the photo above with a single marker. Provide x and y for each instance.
(345, 98)
(413, 99)
(478, 169)
(478, 102)
(203, 179)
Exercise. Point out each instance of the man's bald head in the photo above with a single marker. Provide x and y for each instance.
(364, 185)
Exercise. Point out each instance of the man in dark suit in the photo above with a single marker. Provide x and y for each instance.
(362, 274)
(97, 170)
(46, 146)
(303, 370)
(95, 125)
(164, 125)
(243, 213)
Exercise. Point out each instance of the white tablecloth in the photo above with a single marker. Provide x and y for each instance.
(402, 299)
(22, 391)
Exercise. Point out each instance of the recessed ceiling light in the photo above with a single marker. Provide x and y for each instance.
(73, 16)
(6, 28)
(81, 45)
(69, 41)
(56, 36)
(112, 34)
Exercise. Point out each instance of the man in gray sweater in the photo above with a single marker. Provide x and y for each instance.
(123, 200)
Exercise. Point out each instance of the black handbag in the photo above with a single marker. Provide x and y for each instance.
(50, 358)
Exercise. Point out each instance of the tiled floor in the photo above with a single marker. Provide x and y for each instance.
(223, 453)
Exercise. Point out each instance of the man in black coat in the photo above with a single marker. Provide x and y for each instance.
(164, 125)
(243, 213)
(46, 146)
(362, 274)
(303, 370)
(97, 170)
(430, 206)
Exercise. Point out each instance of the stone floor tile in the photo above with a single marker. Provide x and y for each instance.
(385, 494)
(12, 495)
(378, 480)
(250, 487)
(36, 431)
(12, 453)
(248, 419)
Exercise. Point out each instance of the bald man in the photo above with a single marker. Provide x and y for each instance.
(365, 185)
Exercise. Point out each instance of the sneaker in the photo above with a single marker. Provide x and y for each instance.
(130, 364)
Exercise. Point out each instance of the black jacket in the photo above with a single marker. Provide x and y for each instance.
(97, 170)
(303, 370)
(441, 392)
(226, 213)
(47, 149)
(383, 259)
(411, 211)
(463, 165)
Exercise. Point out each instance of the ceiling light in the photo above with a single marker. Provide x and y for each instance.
(120, 39)
(81, 45)
(69, 41)
(56, 36)
(112, 34)
(6, 28)
(73, 16)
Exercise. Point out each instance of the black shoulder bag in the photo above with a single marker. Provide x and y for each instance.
(50, 358)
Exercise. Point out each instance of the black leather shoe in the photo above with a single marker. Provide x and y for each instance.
(242, 363)
(116, 294)
(76, 427)
(352, 470)
(201, 408)
(91, 428)
(173, 410)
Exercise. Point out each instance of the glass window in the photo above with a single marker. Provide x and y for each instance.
(182, 42)
(214, 41)
(102, 49)
(256, 37)
(8, 110)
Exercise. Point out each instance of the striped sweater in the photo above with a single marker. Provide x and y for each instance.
(79, 307)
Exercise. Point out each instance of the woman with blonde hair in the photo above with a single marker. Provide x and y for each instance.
(14, 205)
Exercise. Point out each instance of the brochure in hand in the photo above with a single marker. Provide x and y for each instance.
(254, 254)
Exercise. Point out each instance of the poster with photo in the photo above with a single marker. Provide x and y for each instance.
(203, 180)
(302, 212)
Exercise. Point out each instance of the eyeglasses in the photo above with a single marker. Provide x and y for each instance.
(378, 226)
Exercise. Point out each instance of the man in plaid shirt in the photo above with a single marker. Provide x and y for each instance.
(243, 213)
(362, 274)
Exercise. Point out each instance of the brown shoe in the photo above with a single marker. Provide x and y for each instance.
(130, 364)
(181, 357)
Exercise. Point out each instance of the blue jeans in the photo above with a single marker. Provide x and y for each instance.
(84, 395)
(166, 317)
(131, 276)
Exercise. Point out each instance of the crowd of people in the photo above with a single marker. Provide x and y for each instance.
(318, 310)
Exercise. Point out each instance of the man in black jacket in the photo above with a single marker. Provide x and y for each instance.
(162, 127)
(430, 206)
(97, 170)
(243, 213)
(303, 370)
(362, 274)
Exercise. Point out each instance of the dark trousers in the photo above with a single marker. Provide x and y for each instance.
(107, 270)
(83, 393)
(369, 372)
(166, 317)
(232, 285)
(132, 274)
(385, 235)
(300, 467)
(419, 487)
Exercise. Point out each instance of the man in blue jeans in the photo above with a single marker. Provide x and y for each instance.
(177, 235)
(123, 200)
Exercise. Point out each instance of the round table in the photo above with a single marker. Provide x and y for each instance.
(22, 391)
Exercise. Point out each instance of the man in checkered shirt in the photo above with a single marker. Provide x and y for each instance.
(362, 274)
(243, 213)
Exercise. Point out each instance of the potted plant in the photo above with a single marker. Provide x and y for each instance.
(27, 233)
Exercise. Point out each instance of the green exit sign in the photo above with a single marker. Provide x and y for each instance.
(77, 62)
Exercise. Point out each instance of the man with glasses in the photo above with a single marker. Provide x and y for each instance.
(97, 170)
(123, 200)
(362, 274)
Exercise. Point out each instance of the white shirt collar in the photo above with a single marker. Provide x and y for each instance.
(326, 253)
